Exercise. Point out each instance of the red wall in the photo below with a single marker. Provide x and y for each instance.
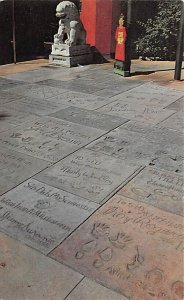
(88, 18)
(104, 25)
(100, 19)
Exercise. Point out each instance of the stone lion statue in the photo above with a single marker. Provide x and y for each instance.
(71, 30)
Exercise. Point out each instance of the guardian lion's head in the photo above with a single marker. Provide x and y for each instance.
(67, 10)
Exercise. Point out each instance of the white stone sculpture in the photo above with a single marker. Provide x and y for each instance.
(71, 31)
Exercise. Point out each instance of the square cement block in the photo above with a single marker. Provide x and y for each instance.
(42, 216)
(130, 247)
(88, 174)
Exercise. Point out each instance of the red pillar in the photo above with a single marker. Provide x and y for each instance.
(88, 18)
(104, 25)
(99, 20)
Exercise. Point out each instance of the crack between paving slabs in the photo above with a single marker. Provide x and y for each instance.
(166, 107)
(74, 287)
(174, 112)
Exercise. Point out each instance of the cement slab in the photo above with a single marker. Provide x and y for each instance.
(35, 106)
(81, 100)
(78, 86)
(42, 216)
(4, 81)
(177, 105)
(16, 117)
(89, 118)
(175, 122)
(107, 92)
(6, 84)
(49, 138)
(16, 168)
(54, 82)
(156, 134)
(97, 78)
(122, 84)
(117, 86)
(6, 97)
(139, 112)
(159, 188)
(27, 274)
(4, 126)
(88, 174)
(37, 91)
(88, 289)
(129, 247)
(133, 148)
(150, 94)
(34, 75)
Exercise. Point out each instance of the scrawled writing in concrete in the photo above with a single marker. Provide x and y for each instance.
(87, 174)
(112, 246)
(49, 139)
(41, 215)
(157, 187)
(16, 167)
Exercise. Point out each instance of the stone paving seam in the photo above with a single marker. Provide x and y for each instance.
(74, 287)
(159, 123)
(166, 107)
(93, 278)
(127, 180)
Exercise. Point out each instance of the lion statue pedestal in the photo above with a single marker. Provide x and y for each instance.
(71, 56)
(70, 48)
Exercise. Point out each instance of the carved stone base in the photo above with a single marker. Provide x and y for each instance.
(71, 56)
(66, 50)
(68, 61)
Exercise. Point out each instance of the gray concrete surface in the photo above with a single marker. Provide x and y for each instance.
(69, 140)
